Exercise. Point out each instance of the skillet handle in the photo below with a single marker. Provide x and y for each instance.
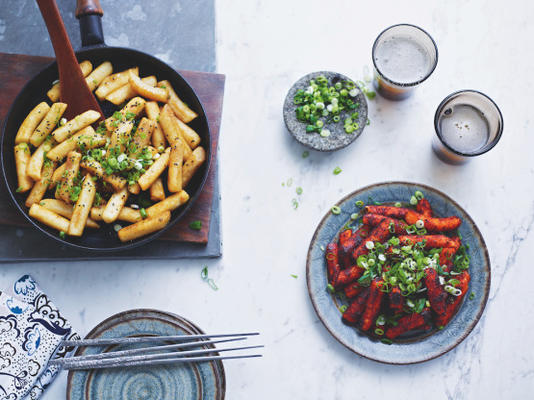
(89, 13)
(88, 7)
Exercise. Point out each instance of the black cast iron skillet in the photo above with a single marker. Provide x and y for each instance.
(34, 92)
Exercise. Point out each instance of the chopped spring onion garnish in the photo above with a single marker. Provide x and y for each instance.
(212, 284)
(379, 331)
(419, 195)
(62, 121)
(386, 341)
(322, 248)
(471, 295)
(335, 210)
(354, 216)
(196, 225)
(299, 190)
(305, 154)
(413, 201)
(381, 320)
(330, 288)
(117, 227)
(294, 276)
(452, 290)
(370, 245)
(359, 203)
(321, 103)
(337, 171)
(204, 276)
(143, 213)
(397, 204)
(420, 224)
(295, 203)
(62, 235)
(342, 309)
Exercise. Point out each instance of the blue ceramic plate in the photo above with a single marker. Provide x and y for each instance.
(416, 349)
(201, 381)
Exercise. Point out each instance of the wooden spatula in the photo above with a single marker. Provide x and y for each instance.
(74, 89)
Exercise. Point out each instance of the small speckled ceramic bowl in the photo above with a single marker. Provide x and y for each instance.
(184, 381)
(413, 349)
(338, 137)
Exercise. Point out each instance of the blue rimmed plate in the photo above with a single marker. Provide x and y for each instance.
(199, 381)
(422, 348)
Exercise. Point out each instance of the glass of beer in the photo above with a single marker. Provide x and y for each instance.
(404, 55)
(468, 123)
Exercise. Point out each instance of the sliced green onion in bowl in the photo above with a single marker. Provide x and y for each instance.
(335, 210)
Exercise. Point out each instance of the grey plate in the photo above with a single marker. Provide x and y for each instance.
(199, 381)
(417, 349)
(338, 138)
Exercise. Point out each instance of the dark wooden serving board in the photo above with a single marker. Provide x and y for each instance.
(17, 69)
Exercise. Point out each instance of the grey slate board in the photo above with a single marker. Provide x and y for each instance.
(180, 32)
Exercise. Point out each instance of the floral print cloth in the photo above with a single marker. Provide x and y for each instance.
(31, 329)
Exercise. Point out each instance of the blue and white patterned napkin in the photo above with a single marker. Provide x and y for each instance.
(31, 329)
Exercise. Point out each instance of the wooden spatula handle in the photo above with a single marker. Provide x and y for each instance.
(88, 7)
(74, 89)
(67, 62)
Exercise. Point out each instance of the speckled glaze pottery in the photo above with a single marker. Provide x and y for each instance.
(338, 137)
(414, 349)
(200, 381)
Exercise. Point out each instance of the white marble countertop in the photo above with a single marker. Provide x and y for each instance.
(263, 47)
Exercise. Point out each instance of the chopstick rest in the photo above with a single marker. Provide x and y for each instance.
(27, 290)
(29, 338)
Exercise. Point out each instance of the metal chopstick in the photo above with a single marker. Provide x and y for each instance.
(161, 362)
(131, 352)
(148, 339)
(146, 357)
